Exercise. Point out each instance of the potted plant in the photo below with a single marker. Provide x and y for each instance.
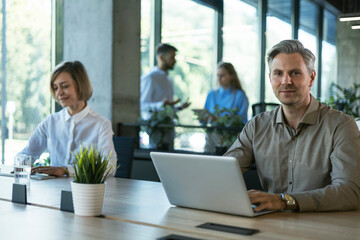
(159, 126)
(91, 172)
(225, 125)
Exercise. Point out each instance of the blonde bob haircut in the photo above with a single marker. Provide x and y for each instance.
(78, 73)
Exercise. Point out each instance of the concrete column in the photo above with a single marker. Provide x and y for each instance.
(126, 62)
(88, 38)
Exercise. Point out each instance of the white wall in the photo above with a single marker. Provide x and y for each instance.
(88, 38)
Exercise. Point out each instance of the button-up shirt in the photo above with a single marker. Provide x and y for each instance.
(154, 88)
(319, 164)
(61, 134)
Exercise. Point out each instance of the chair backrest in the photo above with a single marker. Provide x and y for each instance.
(124, 148)
(262, 107)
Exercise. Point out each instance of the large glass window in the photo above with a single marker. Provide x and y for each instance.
(278, 25)
(329, 58)
(241, 45)
(307, 32)
(190, 27)
(147, 26)
(28, 38)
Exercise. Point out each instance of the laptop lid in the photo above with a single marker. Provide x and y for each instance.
(205, 182)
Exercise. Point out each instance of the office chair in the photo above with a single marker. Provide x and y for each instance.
(251, 179)
(124, 148)
(262, 107)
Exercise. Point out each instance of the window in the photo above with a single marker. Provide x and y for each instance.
(28, 39)
(147, 25)
(307, 32)
(189, 27)
(329, 58)
(241, 45)
(278, 28)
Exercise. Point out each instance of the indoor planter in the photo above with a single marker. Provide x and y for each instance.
(91, 171)
(160, 127)
(225, 126)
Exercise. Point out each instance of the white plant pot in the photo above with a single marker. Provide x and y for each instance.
(88, 198)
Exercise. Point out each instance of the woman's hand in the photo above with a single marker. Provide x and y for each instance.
(54, 171)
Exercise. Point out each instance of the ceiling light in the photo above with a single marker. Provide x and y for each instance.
(355, 27)
(349, 18)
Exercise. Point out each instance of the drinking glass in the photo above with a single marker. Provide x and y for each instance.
(22, 169)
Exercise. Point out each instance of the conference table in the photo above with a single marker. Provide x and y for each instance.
(135, 209)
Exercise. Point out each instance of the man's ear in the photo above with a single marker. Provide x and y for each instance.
(312, 77)
(160, 58)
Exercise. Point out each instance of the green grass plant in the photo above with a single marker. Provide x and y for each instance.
(91, 166)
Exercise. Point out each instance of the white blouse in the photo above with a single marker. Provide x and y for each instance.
(62, 134)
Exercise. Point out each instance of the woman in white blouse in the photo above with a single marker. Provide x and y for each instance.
(63, 132)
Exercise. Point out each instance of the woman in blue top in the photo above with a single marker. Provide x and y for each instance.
(230, 94)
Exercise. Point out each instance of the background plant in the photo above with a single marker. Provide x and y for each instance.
(345, 99)
(91, 166)
(226, 122)
(156, 132)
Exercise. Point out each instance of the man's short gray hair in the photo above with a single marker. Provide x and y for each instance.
(289, 47)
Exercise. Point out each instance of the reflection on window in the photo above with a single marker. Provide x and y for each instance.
(329, 59)
(241, 45)
(28, 33)
(189, 27)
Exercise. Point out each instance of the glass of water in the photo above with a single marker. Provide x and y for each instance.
(22, 169)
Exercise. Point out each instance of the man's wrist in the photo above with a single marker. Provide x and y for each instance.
(290, 202)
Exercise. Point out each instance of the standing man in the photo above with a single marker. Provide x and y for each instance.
(156, 87)
(307, 154)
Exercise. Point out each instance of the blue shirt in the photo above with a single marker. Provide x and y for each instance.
(230, 99)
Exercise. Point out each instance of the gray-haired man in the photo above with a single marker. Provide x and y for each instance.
(307, 154)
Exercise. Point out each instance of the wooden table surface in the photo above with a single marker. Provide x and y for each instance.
(20, 222)
(144, 203)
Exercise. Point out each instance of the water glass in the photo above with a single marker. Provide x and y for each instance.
(22, 169)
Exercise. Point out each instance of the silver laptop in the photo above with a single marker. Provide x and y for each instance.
(205, 182)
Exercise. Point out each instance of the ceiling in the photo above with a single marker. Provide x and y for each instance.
(346, 6)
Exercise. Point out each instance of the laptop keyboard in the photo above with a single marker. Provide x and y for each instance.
(254, 206)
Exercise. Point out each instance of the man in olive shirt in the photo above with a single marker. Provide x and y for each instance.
(307, 154)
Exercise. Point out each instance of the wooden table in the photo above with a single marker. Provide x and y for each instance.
(143, 203)
(20, 221)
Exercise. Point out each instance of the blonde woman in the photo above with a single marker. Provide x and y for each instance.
(62, 132)
(230, 94)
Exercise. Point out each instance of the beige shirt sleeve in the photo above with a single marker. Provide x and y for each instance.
(343, 193)
(242, 148)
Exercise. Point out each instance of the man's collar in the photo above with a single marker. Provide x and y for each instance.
(159, 69)
(78, 116)
(310, 115)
